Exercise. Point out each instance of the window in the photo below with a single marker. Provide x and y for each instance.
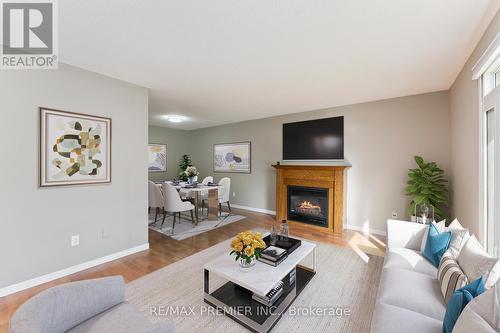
(491, 78)
(491, 154)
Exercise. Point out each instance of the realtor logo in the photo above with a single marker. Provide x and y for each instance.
(29, 34)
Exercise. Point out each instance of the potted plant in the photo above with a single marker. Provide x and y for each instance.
(191, 172)
(247, 247)
(184, 162)
(427, 186)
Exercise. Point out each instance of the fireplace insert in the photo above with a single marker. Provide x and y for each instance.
(308, 205)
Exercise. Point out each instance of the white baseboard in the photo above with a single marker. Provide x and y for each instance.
(253, 209)
(347, 226)
(70, 270)
(366, 230)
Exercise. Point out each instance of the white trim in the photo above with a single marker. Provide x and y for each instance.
(482, 167)
(366, 230)
(70, 270)
(253, 209)
(487, 58)
(490, 238)
(347, 226)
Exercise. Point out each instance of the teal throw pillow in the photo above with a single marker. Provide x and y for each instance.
(458, 301)
(437, 244)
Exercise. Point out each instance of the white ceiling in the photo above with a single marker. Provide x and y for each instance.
(223, 61)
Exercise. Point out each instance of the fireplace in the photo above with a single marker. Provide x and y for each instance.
(308, 205)
(317, 177)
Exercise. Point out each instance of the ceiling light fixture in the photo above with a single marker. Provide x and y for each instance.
(175, 118)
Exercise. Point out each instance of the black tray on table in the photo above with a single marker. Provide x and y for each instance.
(290, 245)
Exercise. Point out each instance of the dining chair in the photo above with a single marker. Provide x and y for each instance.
(207, 179)
(155, 199)
(204, 194)
(224, 190)
(174, 204)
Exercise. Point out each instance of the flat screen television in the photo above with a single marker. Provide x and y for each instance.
(320, 139)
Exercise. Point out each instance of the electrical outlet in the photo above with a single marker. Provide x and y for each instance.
(75, 240)
(394, 215)
(104, 234)
(234, 194)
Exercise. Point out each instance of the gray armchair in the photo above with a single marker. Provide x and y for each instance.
(85, 306)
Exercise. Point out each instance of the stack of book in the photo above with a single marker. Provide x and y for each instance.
(272, 296)
(273, 255)
(293, 275)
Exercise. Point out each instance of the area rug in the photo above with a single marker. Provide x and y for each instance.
(343, 280)
(186, 228)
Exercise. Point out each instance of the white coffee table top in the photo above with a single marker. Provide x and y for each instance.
(261, 278)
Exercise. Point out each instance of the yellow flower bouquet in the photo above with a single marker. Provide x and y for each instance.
(247, 246)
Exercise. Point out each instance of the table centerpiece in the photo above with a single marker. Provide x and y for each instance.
(247, 247)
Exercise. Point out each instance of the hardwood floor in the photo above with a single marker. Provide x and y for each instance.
(164, 251)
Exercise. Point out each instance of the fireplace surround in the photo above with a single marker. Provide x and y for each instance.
(328, 177)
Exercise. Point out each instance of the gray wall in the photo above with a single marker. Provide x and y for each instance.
(464, 124)
(381, 139)
(37, 223)
(178, 144)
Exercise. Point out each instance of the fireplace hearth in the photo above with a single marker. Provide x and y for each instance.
(308, 205)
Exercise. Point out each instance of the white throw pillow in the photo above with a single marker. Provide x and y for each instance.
(458, 239)
(440, 226)
(455, 224)
(476, 262)
(459, 236)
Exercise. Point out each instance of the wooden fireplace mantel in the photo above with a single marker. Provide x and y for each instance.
(322, 176)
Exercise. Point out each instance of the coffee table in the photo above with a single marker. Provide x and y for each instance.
(235, 296)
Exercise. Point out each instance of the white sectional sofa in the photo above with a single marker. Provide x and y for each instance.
(409, 298)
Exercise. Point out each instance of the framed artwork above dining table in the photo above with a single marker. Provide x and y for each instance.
(233, 157)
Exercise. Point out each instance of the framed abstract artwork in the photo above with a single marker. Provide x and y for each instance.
(75, 148)
(157, 157)
(232, 157)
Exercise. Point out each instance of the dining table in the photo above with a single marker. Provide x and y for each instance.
(196, 194)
